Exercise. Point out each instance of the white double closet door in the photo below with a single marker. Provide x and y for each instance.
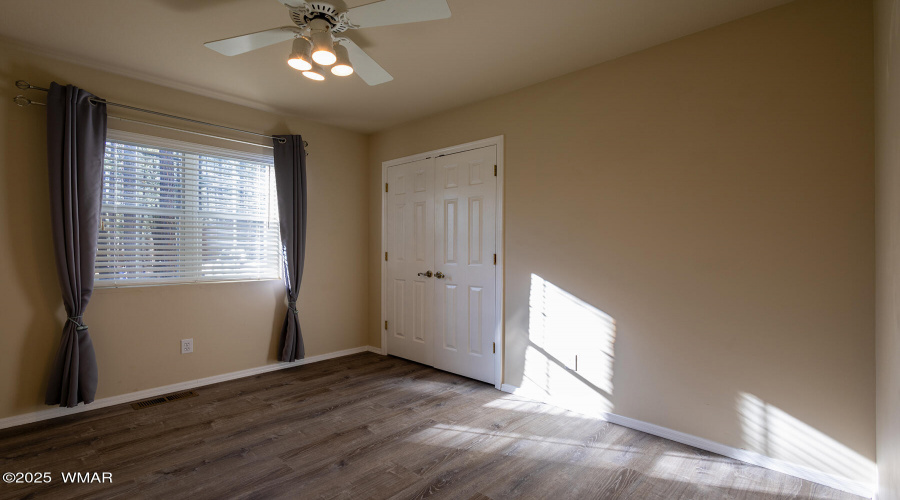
(440, 218)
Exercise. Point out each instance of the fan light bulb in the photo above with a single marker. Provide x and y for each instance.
(323, 48)
(324, 57)
(342, 70)
(299, 58)
(316, 73)
(299, 64)
(343, 67)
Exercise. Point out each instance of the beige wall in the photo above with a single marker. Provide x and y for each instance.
(714, 195)
(887, 65)
(136, 331)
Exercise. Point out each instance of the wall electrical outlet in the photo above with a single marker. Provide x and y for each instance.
(187, 345)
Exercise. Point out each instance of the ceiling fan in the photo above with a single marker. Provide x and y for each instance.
(320, 39)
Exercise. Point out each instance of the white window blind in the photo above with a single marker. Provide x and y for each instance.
(176, 212)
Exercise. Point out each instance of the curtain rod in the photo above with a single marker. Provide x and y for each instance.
(24, 101)
(129, 120)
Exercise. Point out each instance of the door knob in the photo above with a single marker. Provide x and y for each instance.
(439, 275)
(427, 274)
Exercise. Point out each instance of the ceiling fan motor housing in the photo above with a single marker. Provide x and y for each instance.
(306, 13)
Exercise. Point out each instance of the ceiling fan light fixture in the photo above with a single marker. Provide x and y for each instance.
(342, 66)
(323, 47)
(300, 58)
(319, 22)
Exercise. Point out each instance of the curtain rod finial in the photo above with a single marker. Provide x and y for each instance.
(22, 84)
(23, 101)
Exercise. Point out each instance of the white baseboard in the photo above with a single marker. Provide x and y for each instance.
(376, 350)
(750, 457)
(55, 412)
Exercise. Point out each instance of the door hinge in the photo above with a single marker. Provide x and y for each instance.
(495, 259)
(495, 348)
(385, 325)
(495, 170)
(385, 187)
(385, 256)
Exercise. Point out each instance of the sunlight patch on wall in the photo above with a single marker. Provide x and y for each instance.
(569, 358)
(772, 432)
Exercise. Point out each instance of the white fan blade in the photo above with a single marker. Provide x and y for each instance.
(293, 3)
(388, 12)
(246, 43)
(364, 66)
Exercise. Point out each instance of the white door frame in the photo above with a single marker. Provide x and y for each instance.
(498, 237)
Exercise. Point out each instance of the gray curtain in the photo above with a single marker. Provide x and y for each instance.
(290, 182)
(76, 140)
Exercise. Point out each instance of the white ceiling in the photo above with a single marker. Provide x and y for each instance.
(487, 48)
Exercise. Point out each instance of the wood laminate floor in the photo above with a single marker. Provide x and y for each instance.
(369, 426)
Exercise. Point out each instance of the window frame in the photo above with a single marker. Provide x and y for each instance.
(193, 151)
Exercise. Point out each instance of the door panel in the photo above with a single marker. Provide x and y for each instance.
(464, 299)
(410, 238)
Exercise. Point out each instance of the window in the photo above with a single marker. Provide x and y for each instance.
(175, 212)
